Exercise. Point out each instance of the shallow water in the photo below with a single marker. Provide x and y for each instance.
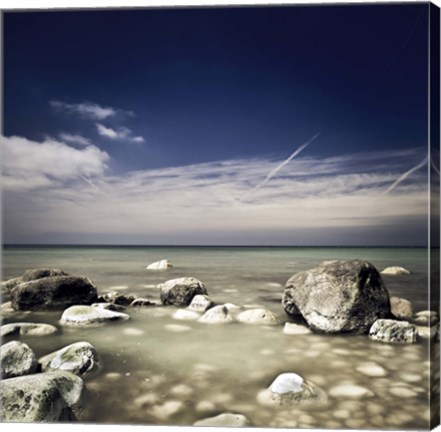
(158, 370)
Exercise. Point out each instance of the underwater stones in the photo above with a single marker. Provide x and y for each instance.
(27, 329)
(391, 331)
(291, 389)
(80, 316)
(339, 296)
(180, 292)
(44, 397)
(53, 292)
(200, 303)
(143, 302)
(401, 309)
(258, 316)
(160, 265)
(224, 420)
(80, 358)
(395, 270)
(17, 359)
(216, 315)
(295, 329)
(350, 391)
(371, 369)
(184, 314)
(402, 392)
(167, 409)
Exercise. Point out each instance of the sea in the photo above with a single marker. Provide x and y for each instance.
(156, 370)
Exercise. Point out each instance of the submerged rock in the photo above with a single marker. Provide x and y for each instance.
(295, 329)
(17, 359)
(143, 302)
(200, 303)
(401, 309)
(290, 389)
(167, 409)
(117, 298)
(224, 420)
(160, 265)
(27, 329)
(371, 369)
(80, 358)
(350, 391)
(387, 330)
(395, 270)
(258, 316)
(180, 292)
(184, 314)
(88, 315)
(216, 315)
(44, 397)
(53, 292)
(341, 296)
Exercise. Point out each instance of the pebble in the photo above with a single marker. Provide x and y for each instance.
(350, 391)
(133, 331)
(333, 425)
(167, 409)
(371, 369)
(177, 328)
(146, 399)
(411, 378)
(205, 406)
(342, 414)
(222, 398)
(181, 390)
(355, 423)
(374, 409)
(402, 392)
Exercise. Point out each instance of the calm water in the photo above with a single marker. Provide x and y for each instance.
(156, 370)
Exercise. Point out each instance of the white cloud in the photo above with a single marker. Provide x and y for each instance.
(88, 110)
(30, 164)
(75, 139)
(122, 133)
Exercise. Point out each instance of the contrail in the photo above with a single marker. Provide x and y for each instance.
(90, 182)
(279, 167)
(405, 175)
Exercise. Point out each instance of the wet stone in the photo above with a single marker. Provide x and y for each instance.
(224, 420)
(371, 369)
(351, 391)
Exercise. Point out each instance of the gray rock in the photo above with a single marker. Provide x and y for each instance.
(180, 292)
(258, 316)
(143, 302)
(387, 330)
(224, 420)
(160, 265)
(200, 303)
(80, 316)
(395, 270)
(290, 389)
(80, 358)
(44, 397)
(216, 315)
(401, 309)
(53, 292)
(109, 306)
(27, 329)
(17, 359)
(341, 296)
(34, 274)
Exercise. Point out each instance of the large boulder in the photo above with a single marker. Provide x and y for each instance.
(180, 292)
(81, 316)
(160, 265)
(258, 316)
(339, 296)
(43, 397)
(224, 420)
(17, 359)
(401, 309)
(80, 358)
(391, 331)
(27, 329)
(53, 292)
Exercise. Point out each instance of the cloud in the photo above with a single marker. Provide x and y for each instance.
(122, 133)
(89, 110)
(75, 139)
(30, 164)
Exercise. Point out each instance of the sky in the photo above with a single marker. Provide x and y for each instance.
(295, 125)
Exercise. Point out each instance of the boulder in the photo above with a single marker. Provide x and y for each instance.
(258, 316)
(395, 270)
(160, 265)
(387, 330)
(17, 359)
(180, 292)
(401, 309)
(80, 358)
(295, 329)
(341, 296)
(184, 314)
(216, 315)
(34, 274)
(27, 329)
(53, 292)
(80, 316)
(200, 303)
(290, 389)
(142, 302)
(224, 420)
(43, 397)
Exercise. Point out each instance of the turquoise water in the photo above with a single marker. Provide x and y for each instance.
(157, 373)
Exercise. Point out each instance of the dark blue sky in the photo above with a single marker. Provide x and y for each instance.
(121, 101)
